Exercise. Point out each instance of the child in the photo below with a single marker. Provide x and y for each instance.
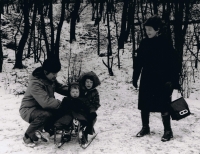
(72, 111)
(89, 81)
(155, 62)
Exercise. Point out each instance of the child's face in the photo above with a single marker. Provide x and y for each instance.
(150, 31)
(74, 93)
(88, 83)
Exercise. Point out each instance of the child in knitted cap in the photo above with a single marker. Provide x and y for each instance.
(73, 111)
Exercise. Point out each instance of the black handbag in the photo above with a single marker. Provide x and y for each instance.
(179, 109)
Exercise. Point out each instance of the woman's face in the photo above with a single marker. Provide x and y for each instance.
(150, 31)
(88, 83)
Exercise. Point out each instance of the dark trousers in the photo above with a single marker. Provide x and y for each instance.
(90, 126)
(92, 118)
(40, 119)
(64, 122)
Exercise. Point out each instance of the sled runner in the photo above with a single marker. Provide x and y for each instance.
(66, 135)
(75, 131)
(86, 144)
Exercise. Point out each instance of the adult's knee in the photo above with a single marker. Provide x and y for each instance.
(45, 116)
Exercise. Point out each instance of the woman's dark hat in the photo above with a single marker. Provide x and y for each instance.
(154, 21)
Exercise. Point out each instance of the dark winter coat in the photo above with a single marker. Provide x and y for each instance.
(92, 100)
(71, 108)
(92, 95)
(40, 94)
(156, 63)
(75, 107)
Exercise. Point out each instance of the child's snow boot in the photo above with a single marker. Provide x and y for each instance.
(76, 127)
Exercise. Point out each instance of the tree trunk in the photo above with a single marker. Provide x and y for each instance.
(52, 27)
(44, 31)
(179, 37)
(101, 9)
(32, 30)
(109, 48)
(180, 28)
(155, 6)
(22, 43)
(166, 17)
(74, 16)
(98, 32)
(130, 18)
(1, 50)
(109, 36)
(2, 7)
(57, 43)
(116, 29)
(133, 6)
(123, 25)
(93, 10)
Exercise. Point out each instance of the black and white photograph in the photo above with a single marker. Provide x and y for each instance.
(100, 77)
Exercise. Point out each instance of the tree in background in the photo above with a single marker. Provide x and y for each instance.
(74, 16)
(25, 9)
(1, 50)
(176, 14)
(52, 46)
(123, 25)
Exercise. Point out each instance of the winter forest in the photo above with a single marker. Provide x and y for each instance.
(100, 36)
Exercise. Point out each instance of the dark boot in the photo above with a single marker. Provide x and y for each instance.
(145, 124)
(90, 126)
(168, 134)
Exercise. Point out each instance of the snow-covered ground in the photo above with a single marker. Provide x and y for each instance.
(118, 117)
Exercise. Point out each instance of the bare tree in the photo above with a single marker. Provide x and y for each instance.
(32, 28)
(1, 50)
(20, 49)
(129, 21)
(57, 43)
(43, 29)
(74, 16)
(109, 47)
(123, 25)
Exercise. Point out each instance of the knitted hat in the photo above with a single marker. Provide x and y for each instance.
(51, 65)
(154, 21)
(74, 85)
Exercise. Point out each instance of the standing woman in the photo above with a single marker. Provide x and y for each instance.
(155, 61)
